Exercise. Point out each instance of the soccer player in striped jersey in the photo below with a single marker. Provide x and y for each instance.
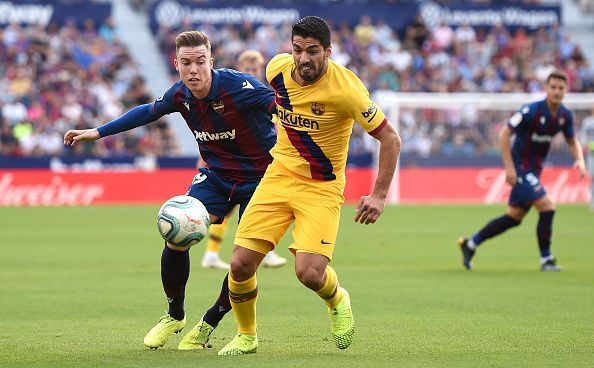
(230, 115)
(534, 126)
(317, 104)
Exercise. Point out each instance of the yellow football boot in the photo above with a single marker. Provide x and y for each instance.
(343, 323)
(240, 345)
(163, 330)
(197, 338)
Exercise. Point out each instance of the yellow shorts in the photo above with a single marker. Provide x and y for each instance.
(280, 199)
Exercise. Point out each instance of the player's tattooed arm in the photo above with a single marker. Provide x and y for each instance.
(371, 207)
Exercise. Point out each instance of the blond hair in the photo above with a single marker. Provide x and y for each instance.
(251, 56)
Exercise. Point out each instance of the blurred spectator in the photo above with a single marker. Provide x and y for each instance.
(62, 78)
(443, 59)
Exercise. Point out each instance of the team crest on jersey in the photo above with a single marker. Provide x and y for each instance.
(543, 120)
(218, 107)
(562, 121)
(318, 108)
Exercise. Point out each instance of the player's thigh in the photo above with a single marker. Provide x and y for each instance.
(317, 219)
(212, 192)
(544, 204)
(267, 215)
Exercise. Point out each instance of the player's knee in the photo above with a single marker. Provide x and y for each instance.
(241, 269)
(175, 247)
(515, 215)
(310, 277)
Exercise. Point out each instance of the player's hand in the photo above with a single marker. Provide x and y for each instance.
(511, 177)
(580, 165)
(369, 209)
(73, 136)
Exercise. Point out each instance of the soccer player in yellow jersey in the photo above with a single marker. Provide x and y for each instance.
(251, 62)
(317, 103)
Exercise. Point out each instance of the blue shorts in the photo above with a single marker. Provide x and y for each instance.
(527, 190)
(219, 195)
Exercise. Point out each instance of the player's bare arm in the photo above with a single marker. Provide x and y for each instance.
(73, 136)
(575, 148)
(370, 207)
(505, 148)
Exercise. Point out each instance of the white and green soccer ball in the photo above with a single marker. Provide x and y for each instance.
(183, 221)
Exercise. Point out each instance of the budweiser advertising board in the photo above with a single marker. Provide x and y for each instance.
(416, 185)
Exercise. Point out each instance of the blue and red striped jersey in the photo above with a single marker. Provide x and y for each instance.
(535, 127)
(232, 125)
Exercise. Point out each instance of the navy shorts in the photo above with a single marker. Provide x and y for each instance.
(219, 195)
(528, 189)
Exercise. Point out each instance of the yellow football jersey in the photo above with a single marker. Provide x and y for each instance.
(316, 121)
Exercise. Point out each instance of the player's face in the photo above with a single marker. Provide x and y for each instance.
(310, 58)
(254, 68)
(194, 65)
(555, 89)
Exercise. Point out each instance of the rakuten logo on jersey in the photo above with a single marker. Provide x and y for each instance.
(207, 137)
(296, 120)
(541, 138)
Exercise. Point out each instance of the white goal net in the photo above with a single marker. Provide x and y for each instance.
(450, 147)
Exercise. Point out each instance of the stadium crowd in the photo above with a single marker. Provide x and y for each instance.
(61, 78)
(419, 59)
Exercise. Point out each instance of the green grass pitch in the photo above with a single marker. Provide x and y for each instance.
(80, 287)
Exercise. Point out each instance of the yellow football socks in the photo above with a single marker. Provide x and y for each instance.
(243, 296)
(330, 292)
(216, 235)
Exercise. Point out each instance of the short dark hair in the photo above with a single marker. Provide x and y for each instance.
(557, 74)
(314, 27)
(191, 39)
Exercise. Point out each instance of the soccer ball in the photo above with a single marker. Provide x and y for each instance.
(183, 221)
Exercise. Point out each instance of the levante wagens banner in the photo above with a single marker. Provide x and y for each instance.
(175, 13)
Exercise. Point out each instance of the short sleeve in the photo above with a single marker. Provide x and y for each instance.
(519, 118)
(365, 112)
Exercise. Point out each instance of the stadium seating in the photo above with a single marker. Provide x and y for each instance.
(422, 60)
(63, 78)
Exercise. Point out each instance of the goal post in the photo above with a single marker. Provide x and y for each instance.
(452, 138)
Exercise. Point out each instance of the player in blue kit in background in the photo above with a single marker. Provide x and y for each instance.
(229, 113)
(534, 127)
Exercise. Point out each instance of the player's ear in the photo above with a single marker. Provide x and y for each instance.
(211, 62)
(328, 51)
(176, 64)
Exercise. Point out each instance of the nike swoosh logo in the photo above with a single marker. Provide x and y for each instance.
(323, 242)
